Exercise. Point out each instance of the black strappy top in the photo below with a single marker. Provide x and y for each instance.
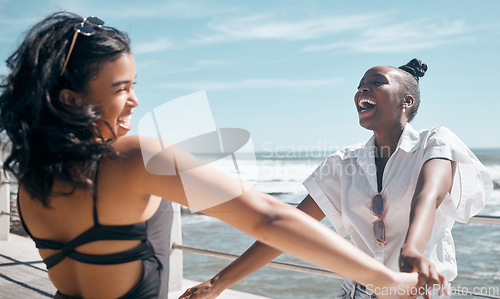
(99, 232)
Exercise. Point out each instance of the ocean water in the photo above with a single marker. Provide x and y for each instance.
(477, 245)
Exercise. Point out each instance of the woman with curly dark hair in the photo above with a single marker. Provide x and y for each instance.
(85, 195)
(397, 196)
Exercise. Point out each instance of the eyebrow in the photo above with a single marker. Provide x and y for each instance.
(379, 75)
(120, 83)
(374, 75)
(123, 82)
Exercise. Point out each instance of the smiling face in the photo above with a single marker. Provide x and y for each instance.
(379, 99)
(112, 94)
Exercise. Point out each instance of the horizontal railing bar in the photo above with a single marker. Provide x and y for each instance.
(472, 294)
(476, 219)
(9, 214)
(485, 219)
(8, 183)
(296, 267)
(274, 264)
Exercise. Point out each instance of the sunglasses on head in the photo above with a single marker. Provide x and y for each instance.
(377, 209)
(86, 29)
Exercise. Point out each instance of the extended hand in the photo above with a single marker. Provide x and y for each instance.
(411, 260)
(205, 290)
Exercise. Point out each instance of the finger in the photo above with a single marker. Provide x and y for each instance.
(406, 264)
(187, 293)
(434, 276)
(423, 276)
(446, 285)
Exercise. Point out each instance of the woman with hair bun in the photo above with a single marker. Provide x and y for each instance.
(85, 195)
(397, 196)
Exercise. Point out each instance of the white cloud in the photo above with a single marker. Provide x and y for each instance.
(250, 83)
(160, 66)
(158, 45)
(402, 37)
(210, 62)
(266, 26)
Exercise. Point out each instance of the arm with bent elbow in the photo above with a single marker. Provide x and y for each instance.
(434, 182)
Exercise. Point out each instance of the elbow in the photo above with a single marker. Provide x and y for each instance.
(271, 215)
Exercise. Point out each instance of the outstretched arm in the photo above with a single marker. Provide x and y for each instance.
(435, 180)
(254, 258)
(287, 229)
(259, 215)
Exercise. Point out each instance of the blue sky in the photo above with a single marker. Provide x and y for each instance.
(287, 71)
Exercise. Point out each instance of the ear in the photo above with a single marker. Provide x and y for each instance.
(408, 101)
(70, 97)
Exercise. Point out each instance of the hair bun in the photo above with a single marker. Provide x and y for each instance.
(415, 67)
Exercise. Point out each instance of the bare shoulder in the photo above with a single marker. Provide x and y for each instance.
(145, 165)
(126, 144)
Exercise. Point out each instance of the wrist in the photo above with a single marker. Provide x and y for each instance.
(409, 249)
(219, 284)
(382, 279)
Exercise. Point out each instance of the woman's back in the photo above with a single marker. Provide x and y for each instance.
(119, 202)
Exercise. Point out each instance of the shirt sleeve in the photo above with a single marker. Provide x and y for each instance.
(324, 187)
(472, 184)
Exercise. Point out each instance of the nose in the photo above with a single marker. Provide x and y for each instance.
(133, 100)
(362, 88)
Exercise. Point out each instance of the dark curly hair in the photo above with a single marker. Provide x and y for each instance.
(412, 71)
(51, 139)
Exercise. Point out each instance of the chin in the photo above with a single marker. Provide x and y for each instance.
(365, 125)
(121, 134)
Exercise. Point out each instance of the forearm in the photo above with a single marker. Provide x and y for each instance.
(256, 257)
(434, 181)
(285, 228)
(422, 215)
(259, 254)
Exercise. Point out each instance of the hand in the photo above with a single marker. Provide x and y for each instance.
(398, 288)
(411, 260)
(205, 290)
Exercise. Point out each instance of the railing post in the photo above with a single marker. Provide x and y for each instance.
(4, 206)
(176, 265)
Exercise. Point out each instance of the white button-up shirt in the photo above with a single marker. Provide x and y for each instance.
(343, 186)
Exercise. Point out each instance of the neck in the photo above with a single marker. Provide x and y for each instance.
(386, 140)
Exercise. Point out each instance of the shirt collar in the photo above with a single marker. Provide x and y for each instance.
(408, 142)
(409, 139)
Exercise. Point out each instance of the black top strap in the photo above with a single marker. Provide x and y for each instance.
(94, 192)
(21, 216)
(138, 231)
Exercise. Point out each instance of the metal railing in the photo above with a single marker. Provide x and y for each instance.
(302, 268)
(274, 264)
(485, 219)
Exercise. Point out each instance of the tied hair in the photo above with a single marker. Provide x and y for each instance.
(415, 67)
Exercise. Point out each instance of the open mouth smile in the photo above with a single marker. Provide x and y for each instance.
(365, 105)
(124, 122)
